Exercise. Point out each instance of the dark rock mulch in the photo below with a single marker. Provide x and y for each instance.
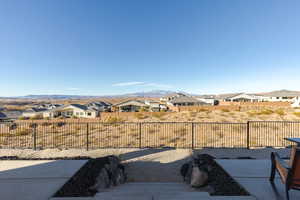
(79, 185)
(219, 180)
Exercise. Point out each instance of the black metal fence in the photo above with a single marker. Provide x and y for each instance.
(95, 135)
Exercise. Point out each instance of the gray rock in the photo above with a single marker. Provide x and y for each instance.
(113, 173)
(188, 175)
(199, 177)
(119, 177)
(114, 162)
(102, 181)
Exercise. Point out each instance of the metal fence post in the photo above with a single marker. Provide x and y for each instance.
(87, 136)
(34, 137)
(140, 137)
(193, 135)
(248, 135)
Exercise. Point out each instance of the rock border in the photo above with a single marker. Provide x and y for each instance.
(96, 175)
(221, 183)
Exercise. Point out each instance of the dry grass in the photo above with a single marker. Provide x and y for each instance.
(287, 114)
(280, 112)
(114, 120)
(139, 115)
(297, 114)
(22, 132)
(159, 115)
(225, 110)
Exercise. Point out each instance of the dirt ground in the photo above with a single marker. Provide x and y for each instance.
(280, 114)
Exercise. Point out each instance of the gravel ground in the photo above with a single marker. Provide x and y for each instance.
(261, 153)
(134, 153)
(52, 153)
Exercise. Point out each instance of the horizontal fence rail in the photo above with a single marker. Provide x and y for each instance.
(94, 135)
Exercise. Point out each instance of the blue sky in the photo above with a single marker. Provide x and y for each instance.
(99, 47)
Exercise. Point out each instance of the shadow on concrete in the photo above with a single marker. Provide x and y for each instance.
(143, 152)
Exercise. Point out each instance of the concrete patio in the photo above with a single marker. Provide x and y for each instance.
(40, 179)
(35, 180)
(253, 175)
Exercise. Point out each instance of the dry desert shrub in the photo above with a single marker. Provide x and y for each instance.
(114, 120)
(225, 110)
(280, 112)
(252, 113)
(139, 115)
(22, 132)
(202, 110)
(23, 118)
(36, 117)
(266, 112)
(193, 114)
(159, 115)
(297, 114)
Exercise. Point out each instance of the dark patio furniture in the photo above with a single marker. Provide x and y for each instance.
(289, 172)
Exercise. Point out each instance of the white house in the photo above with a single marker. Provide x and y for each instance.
(48, 106)
(243, 97)
(296, 102)
(282, 95)
(72, 110)
(100, 106)
(156, 106)
(185, 101)
(209, 99)
(129, 106)
(34, 112)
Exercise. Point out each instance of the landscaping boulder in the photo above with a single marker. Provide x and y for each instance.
(195, 172)
(199, 177)
(112, 174)
(102, 181)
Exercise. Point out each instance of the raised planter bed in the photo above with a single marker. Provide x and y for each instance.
(220, 182)
(96, 174)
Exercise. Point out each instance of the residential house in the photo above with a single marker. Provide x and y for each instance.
(171, 96)
(244, 97)
(129, 106)
(296, 102)
(156, 106)
(49, 106)
(8, 115)
(282, 95)
(3, 116)
(72, 110)
(100, 106)
(209, 99)
(185, 101)
(225, 97)
(34, 112)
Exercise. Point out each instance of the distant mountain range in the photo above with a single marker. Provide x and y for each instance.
(151, 94)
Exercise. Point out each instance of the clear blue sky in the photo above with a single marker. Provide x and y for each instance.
(99, 47)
